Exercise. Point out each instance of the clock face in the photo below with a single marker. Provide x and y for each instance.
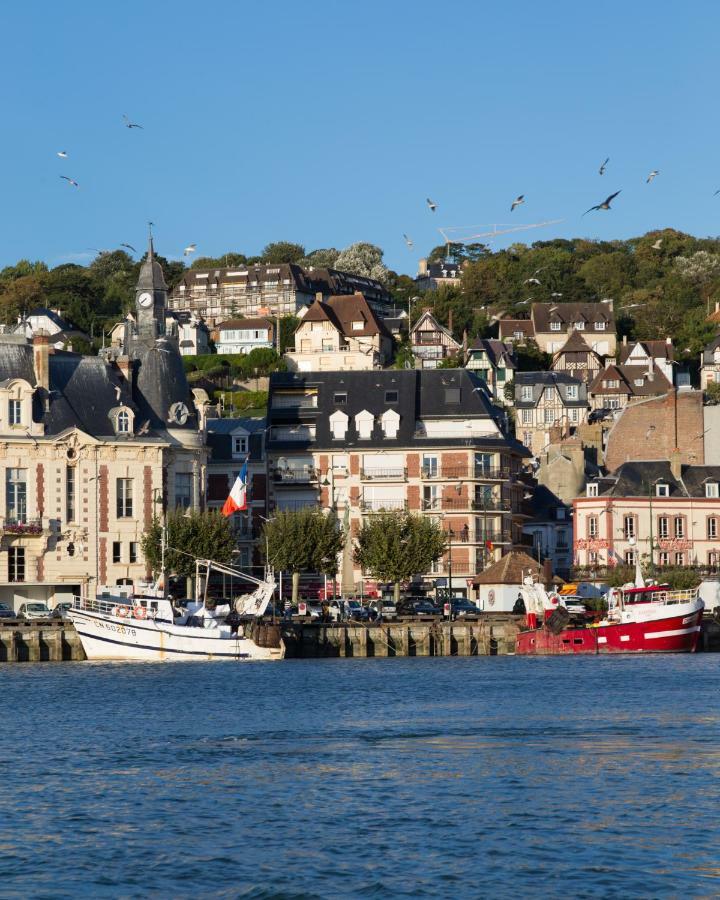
(179, 413)
(145, 299)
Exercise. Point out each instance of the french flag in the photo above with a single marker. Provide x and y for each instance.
(237, 498)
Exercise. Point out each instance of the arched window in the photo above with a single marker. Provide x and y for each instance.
(123, 422)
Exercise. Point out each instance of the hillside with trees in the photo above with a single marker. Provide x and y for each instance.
(663, 283)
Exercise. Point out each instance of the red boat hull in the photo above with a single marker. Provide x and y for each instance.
(676, 634)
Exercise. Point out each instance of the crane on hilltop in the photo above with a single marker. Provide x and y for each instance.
(497, 230)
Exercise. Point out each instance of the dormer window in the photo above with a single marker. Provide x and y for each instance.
(239, 445)
(123, 423)
(15, 412)
(599, 326)
(338, 425)
(591, 489)
(364, 422)
(391, 396)
(712, 489)
(526, 393)
(579, 326)
(358, 326)
(518, 335)
(390, 422)
(662, 490)
(555, 326)
(572, 392)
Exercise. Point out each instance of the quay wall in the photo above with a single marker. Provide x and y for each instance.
(52, 640)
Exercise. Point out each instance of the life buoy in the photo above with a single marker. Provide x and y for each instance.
(123, 611)
(140, 612)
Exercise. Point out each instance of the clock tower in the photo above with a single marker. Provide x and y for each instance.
(150, 297)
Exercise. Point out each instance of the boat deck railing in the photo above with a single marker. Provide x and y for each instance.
(664, 597)
(120, 607)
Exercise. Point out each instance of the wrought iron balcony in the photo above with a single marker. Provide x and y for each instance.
(382, 505)
(395, 473)
(306, 475)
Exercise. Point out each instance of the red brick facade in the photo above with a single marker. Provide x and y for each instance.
(103, 498)
(40, 482)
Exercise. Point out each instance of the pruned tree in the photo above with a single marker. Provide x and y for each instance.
(282, 252)
(303, 540)
(394, 546)
(199, 535)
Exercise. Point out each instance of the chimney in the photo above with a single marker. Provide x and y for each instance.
(668, 341)
(624, 340)
(125, 365)
(675, 464)
(422, 267)
(41, 359)
(651, 367)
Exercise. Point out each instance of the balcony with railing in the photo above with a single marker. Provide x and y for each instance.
(373, 506)
(475, 536)
(392, 473)
(290, 477)
(466, 503)
(289, 401)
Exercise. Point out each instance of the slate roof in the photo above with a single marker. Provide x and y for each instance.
(652, 383)
(16, 361)
(575, 343)
(544, 503)
(569, 313)
(499, 353)
(542, 380)
(160, 381)
(638, 478)
(421, 395)
(219, 438)
(709, 351)
(509, 569)
(151, 276)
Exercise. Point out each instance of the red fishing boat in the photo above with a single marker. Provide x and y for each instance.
(640, 619)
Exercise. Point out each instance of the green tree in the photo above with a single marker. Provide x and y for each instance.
(394, 546)
(198, 535)
(303, 540)
(712, 394)
(322, 258)
(224, 261)
(288, 327)
(19, 296)
(282, 252)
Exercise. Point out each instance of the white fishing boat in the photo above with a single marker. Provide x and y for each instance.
(121, 625)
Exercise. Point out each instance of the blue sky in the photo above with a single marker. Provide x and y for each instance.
(331, 122)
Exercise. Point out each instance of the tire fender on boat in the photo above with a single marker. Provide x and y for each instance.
(140, 612)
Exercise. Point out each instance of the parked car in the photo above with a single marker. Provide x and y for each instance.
(389, 610)
(460, 607)
(6, 612)
(34, 610)
(60, 610)
(354, 610)
(411, 607)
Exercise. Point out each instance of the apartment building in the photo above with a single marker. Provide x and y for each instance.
(93, 449)
(340, 334)
(266, 290)
(546, 402)
(358, 443)
(433, 275)
(659, 511)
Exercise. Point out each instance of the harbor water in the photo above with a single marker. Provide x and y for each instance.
(577, 777)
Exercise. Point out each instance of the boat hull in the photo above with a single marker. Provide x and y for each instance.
(674, 634)
(108, 637)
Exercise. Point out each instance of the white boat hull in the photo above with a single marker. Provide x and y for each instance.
(108, 637)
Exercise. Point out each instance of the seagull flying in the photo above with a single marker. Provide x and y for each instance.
(129, 124)
(716, 193)
(189, 249)
(604, 205)
(601, 170)
(532, 281)
(517, 201)
(63, 154)
(555, 294)
(73, 183)
(432, 205)
(651, 176)
(657, 244)
(129, 247)
(408, 241)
